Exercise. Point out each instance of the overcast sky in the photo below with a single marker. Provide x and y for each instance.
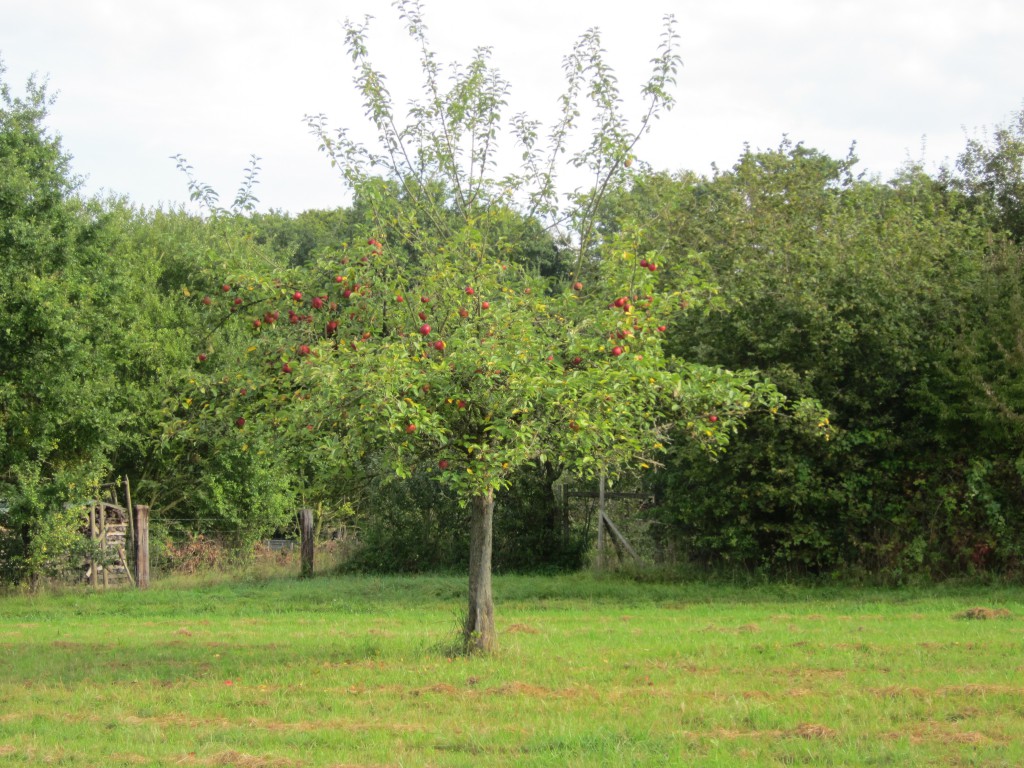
(220, 80)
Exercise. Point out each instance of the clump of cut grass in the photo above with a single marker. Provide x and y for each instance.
(983, 613)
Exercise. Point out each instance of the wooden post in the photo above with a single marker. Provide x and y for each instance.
(600, 523)
(619, 540)
(103, 540)
(128, 506)
(308, 540)
(93, 576)
(141, 542)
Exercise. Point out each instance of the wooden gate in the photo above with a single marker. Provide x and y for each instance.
(109, 531)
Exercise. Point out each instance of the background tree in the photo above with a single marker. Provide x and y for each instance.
(92, 335)
(855, 292)
(990, 175)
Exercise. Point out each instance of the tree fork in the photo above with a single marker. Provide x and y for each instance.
(479, 633)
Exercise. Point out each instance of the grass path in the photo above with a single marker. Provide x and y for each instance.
(354, 672)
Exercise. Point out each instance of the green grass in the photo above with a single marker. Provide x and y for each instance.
(352, 671)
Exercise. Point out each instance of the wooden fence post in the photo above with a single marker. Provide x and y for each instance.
(141, 546)
(104, 542)
(93, 576)
(306, 525)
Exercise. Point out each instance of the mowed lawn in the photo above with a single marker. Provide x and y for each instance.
(358, 671)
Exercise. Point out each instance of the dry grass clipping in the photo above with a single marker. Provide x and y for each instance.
(983, 613)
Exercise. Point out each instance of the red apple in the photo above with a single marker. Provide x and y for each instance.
(577, 360)
(422, 315)
(225, 287)
(238, 301)
(317, 303)
(425, 388)
(485, 305)
(621, 301)
(662, 328)
(577, 286)
(469, 290)
(463, 312)
(286, 368)
(425, 299)
(256, 323)
(399, 299)
(460, 404)
(652, 267)
(303, 349)
(442, 464)
(425, 330)
(240, 422)
(297, 296)
(643, 262)
(202, 357)
(207, 300)
(410, 429)
(617, 351)
(712, 418)
(439, 345)
(339, 279)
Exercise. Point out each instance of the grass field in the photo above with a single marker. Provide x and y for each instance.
(356, 671)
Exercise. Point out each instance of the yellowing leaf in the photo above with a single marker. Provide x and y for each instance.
(185, 291)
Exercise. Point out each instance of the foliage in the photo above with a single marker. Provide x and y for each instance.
(990, 175)
(806, 254)
(64, 408)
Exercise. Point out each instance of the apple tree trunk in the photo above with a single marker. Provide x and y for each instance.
(479, 634)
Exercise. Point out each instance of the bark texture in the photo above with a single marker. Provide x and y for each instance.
(479, 633)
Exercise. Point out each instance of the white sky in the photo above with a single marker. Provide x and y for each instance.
(220, 80)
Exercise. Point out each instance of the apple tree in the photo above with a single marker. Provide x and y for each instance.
(428, 347)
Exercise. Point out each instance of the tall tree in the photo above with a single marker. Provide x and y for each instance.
(434, 348)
